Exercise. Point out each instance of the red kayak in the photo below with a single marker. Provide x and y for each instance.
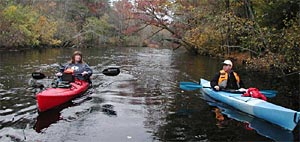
(53, 97)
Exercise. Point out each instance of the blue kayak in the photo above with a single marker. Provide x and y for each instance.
(261, 126)
(275, 114)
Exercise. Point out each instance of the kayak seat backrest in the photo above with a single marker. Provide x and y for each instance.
(67, 77)
(64, 85)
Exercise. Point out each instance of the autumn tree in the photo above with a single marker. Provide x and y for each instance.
(23, 26)
(160, 13)
(281, 24)
(268, 29)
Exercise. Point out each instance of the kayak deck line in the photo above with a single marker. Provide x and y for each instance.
(248, 98)
(275, 114)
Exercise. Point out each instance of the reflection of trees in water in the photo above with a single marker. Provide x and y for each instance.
(181, 119)
(172, 116)
(17, 66)
(187, 117)
(287, 86)
(108, 109)
(45, 119)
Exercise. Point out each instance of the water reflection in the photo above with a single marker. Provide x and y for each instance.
(108, 109)
(45, 119)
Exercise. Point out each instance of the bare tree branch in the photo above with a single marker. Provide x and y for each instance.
(154, 33)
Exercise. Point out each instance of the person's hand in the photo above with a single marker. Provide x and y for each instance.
(242, 90)
(84, 73)
(217, 88)
(58, 74)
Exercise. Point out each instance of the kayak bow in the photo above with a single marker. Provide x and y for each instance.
(53, 97)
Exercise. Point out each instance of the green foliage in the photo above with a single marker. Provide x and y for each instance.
(269, 29)
(284, 44)
(22, 26)
(100, 26)
(97, 28)
(273, 13)
(17, 22)
(50, 23)
(77, 11)
(272, 32)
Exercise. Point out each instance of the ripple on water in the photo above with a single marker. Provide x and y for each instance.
(6, 111)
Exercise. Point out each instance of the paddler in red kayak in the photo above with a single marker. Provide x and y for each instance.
(226, 78)
(78, 67)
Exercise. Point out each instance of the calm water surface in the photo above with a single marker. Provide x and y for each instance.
(143, 103)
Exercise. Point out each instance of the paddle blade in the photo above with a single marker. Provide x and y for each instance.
(189, 86)
(269, 93)
(38, 75)
(112, 71)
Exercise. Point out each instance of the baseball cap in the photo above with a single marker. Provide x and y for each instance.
(227, 62)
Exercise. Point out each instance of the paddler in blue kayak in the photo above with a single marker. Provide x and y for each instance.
(226, 78)
(78, 67)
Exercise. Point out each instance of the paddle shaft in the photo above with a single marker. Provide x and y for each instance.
(267, 94)
(189, 86)
(111, 71)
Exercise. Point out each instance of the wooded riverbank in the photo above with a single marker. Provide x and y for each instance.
(262, 34)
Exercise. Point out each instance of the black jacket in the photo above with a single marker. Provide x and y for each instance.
(231, 83)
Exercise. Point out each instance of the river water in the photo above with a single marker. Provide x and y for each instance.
(143, 103)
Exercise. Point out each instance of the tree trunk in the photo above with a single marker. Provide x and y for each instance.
(228, 28)
(261, 34)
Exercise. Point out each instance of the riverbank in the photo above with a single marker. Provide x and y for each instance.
(269, 62)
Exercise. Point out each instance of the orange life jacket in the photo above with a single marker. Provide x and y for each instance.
(224, 77)
(69, 71)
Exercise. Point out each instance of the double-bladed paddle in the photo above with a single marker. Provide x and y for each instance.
(38, 75)
(189, 86)
(111, 71)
